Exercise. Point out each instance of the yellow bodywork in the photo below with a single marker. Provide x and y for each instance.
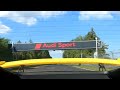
(2, 62)
(58, 61)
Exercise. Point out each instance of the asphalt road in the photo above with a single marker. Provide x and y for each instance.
(53, 68)
(60, 72)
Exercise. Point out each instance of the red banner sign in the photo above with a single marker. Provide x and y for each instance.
(55, 45)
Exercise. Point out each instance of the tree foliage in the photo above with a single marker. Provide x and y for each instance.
(87, 53)
(31, 54)
(6, 53)
(30, 41)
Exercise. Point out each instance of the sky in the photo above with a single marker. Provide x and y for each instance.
(56, 26)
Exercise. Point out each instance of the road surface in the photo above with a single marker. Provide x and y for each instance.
(60, 72)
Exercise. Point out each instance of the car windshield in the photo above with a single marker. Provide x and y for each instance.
(57, 42)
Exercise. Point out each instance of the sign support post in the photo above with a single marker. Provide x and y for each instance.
(96, 48)
(81, 53)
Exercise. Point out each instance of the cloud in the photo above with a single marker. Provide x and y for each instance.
(87, 15)
(4, 29)
(4, 13)
(25, 20)
(29, 17)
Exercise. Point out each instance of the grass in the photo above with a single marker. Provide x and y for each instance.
(93, 67)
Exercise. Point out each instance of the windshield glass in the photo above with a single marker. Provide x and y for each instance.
(59, 41)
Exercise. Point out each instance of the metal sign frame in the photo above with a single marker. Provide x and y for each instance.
(76, 45)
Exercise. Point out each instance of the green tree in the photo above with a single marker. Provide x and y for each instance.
(19, 41)
(30, 41)
(79, 38)
(5, 52)
(91, 35)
